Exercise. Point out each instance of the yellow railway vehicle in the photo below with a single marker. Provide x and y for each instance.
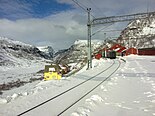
(52, 71)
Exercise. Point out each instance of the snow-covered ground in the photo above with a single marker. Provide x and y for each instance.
(20, 73)
(129, 92)
(23, 72)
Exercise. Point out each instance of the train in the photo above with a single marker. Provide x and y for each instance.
(105, 54)
(55, 71)
(111, 54)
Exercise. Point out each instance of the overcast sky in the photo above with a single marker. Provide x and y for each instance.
(60, 22)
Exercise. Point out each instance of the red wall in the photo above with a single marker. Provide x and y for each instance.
(131, 51)
(146, 51)
(98, 56)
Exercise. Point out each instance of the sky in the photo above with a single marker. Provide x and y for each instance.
(59, 23)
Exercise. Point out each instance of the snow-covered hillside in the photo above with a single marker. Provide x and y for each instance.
(139, 33)
(78, 51)
(19, 64)
(48, 50)
(15, 53)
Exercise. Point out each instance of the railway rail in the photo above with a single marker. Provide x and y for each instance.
(84, 92)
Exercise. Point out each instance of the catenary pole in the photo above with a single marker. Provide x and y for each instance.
(89, 52)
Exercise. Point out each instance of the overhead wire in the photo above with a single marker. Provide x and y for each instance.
(112, 31)
(96, 7)
(102, 29)
(82, 6)
(147, 6)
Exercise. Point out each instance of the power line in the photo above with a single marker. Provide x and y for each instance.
(82, 6)
(148, 5)
(112, 31)
(99, 10)
(102, 29)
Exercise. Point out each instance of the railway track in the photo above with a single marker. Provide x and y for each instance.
(62, 98)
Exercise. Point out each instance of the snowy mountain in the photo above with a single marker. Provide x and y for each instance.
(48, 50)
(77, 52)
(139, 33)
(17, 53)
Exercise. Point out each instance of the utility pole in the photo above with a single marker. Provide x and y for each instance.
(105, 52)
(105, 36)
(89, 53)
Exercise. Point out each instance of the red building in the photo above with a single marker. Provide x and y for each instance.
(146, 51)
(131, 51)
(114, 47)
(118, 48)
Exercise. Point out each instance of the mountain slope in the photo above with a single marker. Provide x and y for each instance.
(16, 53)
(77, 52)
(48, 50)
(139, 33)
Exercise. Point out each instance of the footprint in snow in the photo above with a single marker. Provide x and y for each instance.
(151, 95)
(136, 101)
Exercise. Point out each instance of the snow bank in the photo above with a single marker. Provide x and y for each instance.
(3, 101)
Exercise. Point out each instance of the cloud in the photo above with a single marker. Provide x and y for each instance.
(21, 9)
(114, 7)
(61, 29)
(15, 9)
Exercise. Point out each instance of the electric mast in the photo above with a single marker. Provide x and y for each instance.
(89, 52)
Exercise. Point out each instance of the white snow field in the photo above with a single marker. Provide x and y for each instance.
(130, 91)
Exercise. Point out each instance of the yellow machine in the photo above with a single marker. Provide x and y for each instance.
(52, 71)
